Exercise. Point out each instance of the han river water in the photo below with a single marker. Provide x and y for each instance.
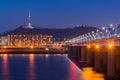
(39, 67)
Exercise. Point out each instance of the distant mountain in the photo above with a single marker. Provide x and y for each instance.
(57, 33)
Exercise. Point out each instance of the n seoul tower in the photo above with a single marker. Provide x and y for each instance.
(29, 23)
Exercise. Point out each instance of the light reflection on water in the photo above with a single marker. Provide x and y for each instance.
(5, 66)
(32, 73)
(42, 67)
(92, 75)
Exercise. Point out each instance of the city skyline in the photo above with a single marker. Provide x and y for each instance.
(59, 14)
(59, 40)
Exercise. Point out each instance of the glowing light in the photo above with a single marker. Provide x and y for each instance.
(97, 30)
(88, 46)
(97, 46)
(46, 55)
(92, 32)
(4, 46)
(32, 66)
(20, 46)
(110, 46)
(0, 54)
(31, 56)
(103, 28)
(31, 47)
(5, 57)
(106, 30)
(111, 25)
(46, 49)
(92, 75)
(113, 28)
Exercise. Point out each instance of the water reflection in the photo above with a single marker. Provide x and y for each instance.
(5, 68)
(46, 55)
(32, 74)
(92, 75)
(43, 67)
(73, 72)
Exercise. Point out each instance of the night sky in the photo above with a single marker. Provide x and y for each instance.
(59, 13)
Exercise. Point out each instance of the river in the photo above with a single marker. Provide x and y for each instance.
(39, 67)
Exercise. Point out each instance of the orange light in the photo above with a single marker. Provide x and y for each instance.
(5, 54)
(110, 46)
(31, 47)
(92, 75)
(1, 54)
(5, 57)
(32, 56)
(4, 46)
(97, 46)
(88, 46)
(20, 46)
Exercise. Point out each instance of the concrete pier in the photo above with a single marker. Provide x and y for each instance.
(111, 62)
(103, 59)
(97, 57)
(83, 55)
(117, 57)
(89, 56)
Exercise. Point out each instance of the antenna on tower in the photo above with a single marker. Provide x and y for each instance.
(29, 18)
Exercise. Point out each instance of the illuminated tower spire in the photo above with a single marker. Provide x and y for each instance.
(29, 23)
(29, 18)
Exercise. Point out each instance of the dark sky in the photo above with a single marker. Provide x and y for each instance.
(59, 13)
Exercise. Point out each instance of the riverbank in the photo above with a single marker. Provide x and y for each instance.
(35, 51)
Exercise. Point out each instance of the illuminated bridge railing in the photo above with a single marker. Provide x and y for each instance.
(99, 34)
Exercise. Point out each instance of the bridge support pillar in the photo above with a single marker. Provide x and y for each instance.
(111, 62)
(83, 58)
(73, 52)
(117, 57)
(105, 58)
(69, 50)
(88, 56)
(97, 65)
(77, 52)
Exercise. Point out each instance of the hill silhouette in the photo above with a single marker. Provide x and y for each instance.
(56, 33)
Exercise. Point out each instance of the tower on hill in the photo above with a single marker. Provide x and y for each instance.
(29, 21)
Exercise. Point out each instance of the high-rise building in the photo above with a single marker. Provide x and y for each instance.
(28, 40)
(3, 41)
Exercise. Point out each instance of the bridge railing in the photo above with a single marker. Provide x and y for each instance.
(104, 33)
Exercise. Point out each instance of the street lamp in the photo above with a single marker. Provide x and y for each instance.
(103, 28)
(111, 25)
(97, 30)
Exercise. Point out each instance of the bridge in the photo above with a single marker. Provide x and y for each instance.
(99, 49)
